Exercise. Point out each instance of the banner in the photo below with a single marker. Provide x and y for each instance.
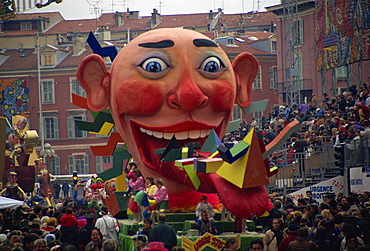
(333, 185)
(206, 240)
(359, 181)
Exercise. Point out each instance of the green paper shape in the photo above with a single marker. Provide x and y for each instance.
(233, 126)
(173, 155)
(122, 200)
(95, 126)
(172, 144)
(192, 175)
(212, 142)
(258, 106)
(118, 156)
(159, 151)
(241, 146)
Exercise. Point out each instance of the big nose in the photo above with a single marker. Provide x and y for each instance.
(187, 96)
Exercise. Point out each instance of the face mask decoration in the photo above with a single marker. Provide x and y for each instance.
(176, 84)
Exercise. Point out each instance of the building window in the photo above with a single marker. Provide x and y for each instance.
(273, 46)
(73, 130)
(237, 113)
(257, 84)
(26, 26)
(54, 165)
(297, 33)
(230, 41)
(258, 116)
(273, 77)
(79, 163)
(47, 91)
(341, 72)
(76, 88)
(51, 128)
(100, 160)
(48, 60)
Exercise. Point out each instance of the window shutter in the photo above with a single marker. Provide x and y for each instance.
(271, 77)
(71, 163)
(301, 31)
(84, 133)
(86, 164)
(57, 165)
(99, 164)
(70, 122)
(56, 128)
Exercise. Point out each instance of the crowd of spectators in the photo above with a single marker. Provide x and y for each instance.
(343, 118)
(338, 223)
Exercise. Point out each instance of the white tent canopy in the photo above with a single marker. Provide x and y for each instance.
(9, 203)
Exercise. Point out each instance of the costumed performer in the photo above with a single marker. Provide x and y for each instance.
(138, 185)
(150, 189)
(204, 206)
(161, 198)
(12, 189)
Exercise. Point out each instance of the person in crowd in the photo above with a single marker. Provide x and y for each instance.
(137, 184)
(109, 245)
(231, 244)
(163, 233)
(108, 225)
(205, 224)
(65, 189)
(96, 243)
(273, 237)
(257, 245)
(302, 242)
(292, 236)
(148, 225)
(39, 245)
(85, 231)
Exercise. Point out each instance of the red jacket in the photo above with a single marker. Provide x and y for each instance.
(284, 244)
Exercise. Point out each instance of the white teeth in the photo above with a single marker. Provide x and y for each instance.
(204, 133)
(182, 135)
(196, 134)
(158, 134)
(167, 136)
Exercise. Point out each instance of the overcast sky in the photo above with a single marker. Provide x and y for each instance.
(82, 9)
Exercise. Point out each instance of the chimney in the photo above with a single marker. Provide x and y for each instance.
(118, 19)
(78, 44)
(156, 17)
(210, 15)
(133, 15)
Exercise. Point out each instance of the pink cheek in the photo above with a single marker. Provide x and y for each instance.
(223, 97)
(137, 98)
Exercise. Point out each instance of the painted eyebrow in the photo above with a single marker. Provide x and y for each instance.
(204, 43)
(160, 44)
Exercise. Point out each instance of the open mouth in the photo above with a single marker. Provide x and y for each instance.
(148, 139)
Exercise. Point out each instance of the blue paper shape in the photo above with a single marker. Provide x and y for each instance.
(110, 51)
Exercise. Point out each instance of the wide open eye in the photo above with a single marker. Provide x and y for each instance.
(154, 65)
(212, 64)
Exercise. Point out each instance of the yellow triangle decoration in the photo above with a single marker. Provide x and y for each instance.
(249, 170)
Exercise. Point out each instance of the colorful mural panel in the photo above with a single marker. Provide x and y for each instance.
(343, 32)
(14, 97)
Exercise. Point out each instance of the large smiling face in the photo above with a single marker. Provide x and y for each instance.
(170, 83)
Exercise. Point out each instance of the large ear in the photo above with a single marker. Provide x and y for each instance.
(93, 76)
(245, 68)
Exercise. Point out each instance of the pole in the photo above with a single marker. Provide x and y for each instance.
(39, 84)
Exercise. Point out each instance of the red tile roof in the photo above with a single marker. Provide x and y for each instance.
(31, 16)
(168, 21)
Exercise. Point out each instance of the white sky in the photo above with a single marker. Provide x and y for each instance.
(82, 9)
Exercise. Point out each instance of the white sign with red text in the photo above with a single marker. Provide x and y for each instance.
(333, 185)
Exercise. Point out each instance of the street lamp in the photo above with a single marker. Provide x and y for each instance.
(47, 154)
